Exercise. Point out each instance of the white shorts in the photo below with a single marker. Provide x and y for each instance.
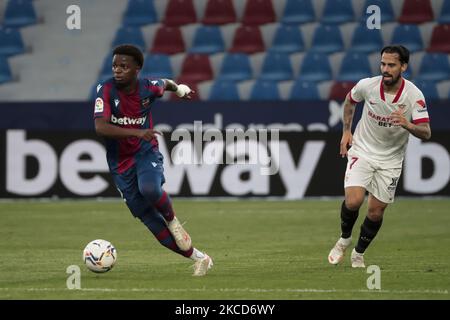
(380, 182)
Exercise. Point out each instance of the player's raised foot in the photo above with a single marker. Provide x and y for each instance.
(337, 253)
(202, 266)
(182, 238)
(357, 259)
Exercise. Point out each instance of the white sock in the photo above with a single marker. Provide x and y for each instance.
(197, 255)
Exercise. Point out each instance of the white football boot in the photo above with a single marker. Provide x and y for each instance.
(337, 253)
(202, 266)
(182, 238)
(357, 259)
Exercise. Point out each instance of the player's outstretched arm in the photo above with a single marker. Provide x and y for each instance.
(347, 119)
(105, 129)
(181, 90)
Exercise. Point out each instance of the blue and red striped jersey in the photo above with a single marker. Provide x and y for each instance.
(128, 111)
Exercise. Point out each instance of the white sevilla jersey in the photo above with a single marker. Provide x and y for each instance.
(375, 136)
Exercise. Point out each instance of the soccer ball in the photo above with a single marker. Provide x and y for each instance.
(99, 256)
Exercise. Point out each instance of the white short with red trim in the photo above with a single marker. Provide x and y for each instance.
(378, 179)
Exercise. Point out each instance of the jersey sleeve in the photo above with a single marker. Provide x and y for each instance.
(102, 107)
(357, 94)
(156, 86)
(420, 112)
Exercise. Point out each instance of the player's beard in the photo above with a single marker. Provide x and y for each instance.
(392, 82)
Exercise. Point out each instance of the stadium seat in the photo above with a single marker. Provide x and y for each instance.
(247, 39)
(409, 36)
(19, 13)
(444, 16)
(338, 11)
(386, 11)
(416, 11)
(264, 91)
(327, 39)
(196, 67)
(276, 66)
(106, 70)
(157, 66)
(340, 89)
(140, 12)
(315, 67)
(354, 66)
(258, 12)
(5, 71)
(235, 67)
(304, 90)
(168, 40)
(408, 73)
(366, 40)
(224, 91)
(11, 42)
(207, 39)
(180, 12)
(434, 67)
(219, 12)
(298, 12)
(131, 35)
(287, 39)
(440, 39)
(428, 89)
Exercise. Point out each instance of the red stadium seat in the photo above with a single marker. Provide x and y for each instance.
(196, 67)
(247, 39)
(219, 12)
(416, 11)
(339, 90)
(440, 39)
(258, 12)
(168, 40)
(180, 12)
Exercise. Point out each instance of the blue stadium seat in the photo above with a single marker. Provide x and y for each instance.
(327, 39)
(366, 40)
(11, 42)
(355, 66)
(263, 90)
(428, 89)
(409, 36)
(140, 12)
(235, 67)
(208, 40)
(315, 67)
(444, 17)
(130, 35)
(434, 67)
(386, 12)
(157, 66)
(298, 12)
(338, 11)
(106, 70)
(19, 13)
(304, 90)
(408, 73)
(276, 66)
(287, 39)
(224, 91)
(5, 71)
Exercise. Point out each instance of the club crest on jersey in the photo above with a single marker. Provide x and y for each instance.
(145, 102)
(99, 105)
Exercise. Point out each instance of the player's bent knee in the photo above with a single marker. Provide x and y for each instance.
(151, 191)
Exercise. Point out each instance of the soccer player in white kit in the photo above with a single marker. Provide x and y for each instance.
(393, 108)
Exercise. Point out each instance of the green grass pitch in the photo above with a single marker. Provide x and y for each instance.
(261, 250)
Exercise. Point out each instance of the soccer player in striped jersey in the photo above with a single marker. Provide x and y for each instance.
(123, 117)
(394, 108)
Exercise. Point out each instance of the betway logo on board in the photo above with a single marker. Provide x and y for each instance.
(126, 120)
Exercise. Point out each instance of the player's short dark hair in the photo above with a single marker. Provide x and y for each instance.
(402, 52)
(130, 50)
